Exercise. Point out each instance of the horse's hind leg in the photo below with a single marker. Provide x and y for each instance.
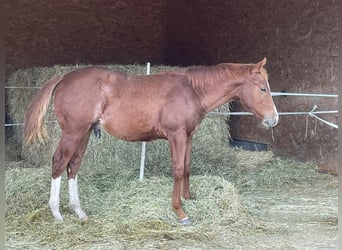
(60, 160)
(73, 167)
(54, 198)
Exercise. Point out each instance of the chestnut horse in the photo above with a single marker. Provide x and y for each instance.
(168, 105)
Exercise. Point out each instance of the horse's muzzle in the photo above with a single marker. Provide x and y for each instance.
(270, 122)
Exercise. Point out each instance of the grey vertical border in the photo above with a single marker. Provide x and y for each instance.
(339, 158)
(2, 136)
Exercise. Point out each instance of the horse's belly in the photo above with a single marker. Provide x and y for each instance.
(132, 129)
(133, 135)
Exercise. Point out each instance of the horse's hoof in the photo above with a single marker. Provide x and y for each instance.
(58, 218)
(84, 218)
(186, 222)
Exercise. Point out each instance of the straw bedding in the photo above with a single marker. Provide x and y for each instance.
(260, 201)
(241, 200)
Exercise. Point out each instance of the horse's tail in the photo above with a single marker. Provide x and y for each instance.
(36, 111)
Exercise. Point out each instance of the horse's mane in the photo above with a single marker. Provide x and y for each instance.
(202, 76)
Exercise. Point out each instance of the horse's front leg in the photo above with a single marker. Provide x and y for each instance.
(187, 164)
(178, 146)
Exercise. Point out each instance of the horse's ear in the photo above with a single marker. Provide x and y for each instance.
(260, 64)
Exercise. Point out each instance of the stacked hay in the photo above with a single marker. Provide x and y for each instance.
(18, 100)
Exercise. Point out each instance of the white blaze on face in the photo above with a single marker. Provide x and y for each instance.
(268, 84)
(276, 117)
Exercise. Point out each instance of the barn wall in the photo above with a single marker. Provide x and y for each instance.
(299, 39)
(44, 33)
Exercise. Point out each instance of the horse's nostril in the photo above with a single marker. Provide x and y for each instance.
(265, 123)
(269, 123)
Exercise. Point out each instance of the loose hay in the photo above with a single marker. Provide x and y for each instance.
(127, 213)
(128, 210)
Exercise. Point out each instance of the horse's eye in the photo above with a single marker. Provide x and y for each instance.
(263, 90)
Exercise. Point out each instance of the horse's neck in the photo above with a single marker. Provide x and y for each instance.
(212, 97)
(219, 91)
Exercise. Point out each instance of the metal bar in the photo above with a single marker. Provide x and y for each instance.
(143, 145)
(227, 113)
(312, 113)
(280, 113)
(16, 87)
(324, 121)
(22, 124)
(14, 124)
(142, 161)
(302, 94)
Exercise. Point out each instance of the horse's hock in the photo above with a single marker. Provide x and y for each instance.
(299, 39)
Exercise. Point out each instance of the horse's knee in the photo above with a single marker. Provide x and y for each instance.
(178, 173)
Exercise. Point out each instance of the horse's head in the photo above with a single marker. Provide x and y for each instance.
(255, 95)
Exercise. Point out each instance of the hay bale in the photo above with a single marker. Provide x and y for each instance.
(34, 77)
